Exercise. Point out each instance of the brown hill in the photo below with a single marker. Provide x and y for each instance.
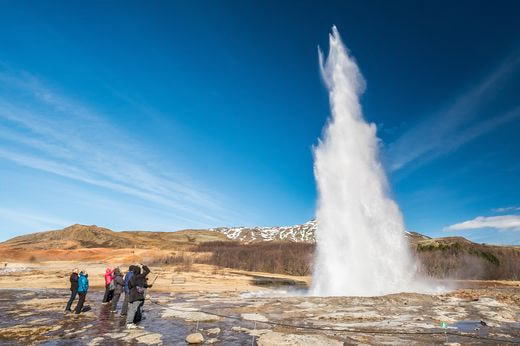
(458, 257)
(82, 236)
(453, 257)
(72, 237)
(166, 240)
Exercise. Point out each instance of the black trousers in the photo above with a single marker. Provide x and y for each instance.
(139, 313)
(108, 294)
(73, 294)
(81, 301)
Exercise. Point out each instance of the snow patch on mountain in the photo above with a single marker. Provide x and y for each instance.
(304, 233)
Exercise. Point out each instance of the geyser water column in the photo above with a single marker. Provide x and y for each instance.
(361, 244)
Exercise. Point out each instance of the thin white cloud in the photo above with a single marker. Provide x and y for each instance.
(447, 130)
(506, 209)
(502, 223)
(47, 131)
(32, 219)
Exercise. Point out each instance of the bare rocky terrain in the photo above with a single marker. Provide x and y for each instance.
(268, 317)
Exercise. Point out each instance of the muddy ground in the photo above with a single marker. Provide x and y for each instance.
(36, 317)
(240, 308)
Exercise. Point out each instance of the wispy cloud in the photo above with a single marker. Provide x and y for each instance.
(506, 209)
(48, 131)
(32, 220)
(502, 223)
(456, 125)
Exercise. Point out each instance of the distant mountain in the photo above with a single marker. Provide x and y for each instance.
(75, 236)
(84, 236)
(304, 233)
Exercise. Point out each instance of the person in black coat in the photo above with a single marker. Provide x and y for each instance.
(119, 286)
(128, 277)
(73, 289)
(137, 287)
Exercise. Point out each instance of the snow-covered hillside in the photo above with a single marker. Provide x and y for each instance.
(304, 233)
(298, 233)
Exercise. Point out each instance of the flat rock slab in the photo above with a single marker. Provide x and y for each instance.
(281, 339)
(189, 314)
(252, 332)
(254, 317)
(213, 331)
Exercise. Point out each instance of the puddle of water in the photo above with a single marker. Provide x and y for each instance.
(478, 327)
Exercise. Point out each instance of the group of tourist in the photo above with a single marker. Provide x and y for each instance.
(133, 285)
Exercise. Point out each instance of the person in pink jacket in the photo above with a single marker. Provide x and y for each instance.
(109, 287)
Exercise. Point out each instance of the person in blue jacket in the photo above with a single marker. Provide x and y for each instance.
(128, 277)
(82, 290)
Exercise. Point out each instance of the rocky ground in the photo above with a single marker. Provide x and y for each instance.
(267, 318)
(228, 307)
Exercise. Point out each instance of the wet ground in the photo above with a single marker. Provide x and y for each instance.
(487, 315)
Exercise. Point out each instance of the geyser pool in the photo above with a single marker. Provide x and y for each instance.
(361, 244)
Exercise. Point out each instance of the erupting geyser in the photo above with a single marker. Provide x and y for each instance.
(361, 244)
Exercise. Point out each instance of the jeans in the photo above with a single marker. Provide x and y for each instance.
(124, 309)
(115, 300)
(133, 310)
(81, 301)
(73, 294)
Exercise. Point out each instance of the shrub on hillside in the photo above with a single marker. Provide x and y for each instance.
(470, 262)
(283, 258)
(438, 260)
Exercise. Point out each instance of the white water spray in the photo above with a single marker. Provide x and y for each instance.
(361, 244)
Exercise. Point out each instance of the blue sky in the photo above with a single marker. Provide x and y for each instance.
(182, 114)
